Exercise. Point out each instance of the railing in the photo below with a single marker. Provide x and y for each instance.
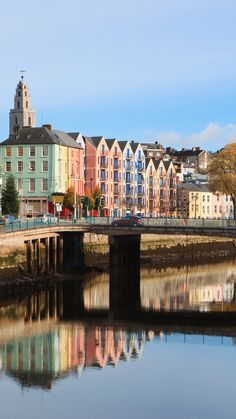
(36, 223)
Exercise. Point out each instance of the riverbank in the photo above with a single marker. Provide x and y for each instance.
(156, 251)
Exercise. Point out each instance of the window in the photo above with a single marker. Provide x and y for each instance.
(45, 151)
(25, 93)
(103, 149)
(32, 166)
(18, 104)
(29, 121)
(32, 185)
(45, 185)
(45, 166)
(8, 152)
(26, 104)
(20, 151)
(32, 151)
(20, 185)
(8, 166)
(20, 166)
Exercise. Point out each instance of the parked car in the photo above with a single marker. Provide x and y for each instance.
(129, 221)
(48, 218)
(9, 218)
(2, 220)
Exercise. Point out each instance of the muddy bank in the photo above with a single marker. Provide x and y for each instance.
(168, 252)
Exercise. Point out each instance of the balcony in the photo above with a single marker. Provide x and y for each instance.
(103, 164)
(140, 167)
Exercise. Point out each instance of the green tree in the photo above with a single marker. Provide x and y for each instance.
(10, 201)
(68, 200)
(222, 173)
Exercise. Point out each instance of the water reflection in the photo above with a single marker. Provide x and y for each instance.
(38, 346)
(202, 288)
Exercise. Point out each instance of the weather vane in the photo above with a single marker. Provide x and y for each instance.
(22, 72)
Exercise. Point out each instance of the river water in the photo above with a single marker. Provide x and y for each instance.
(63, 355)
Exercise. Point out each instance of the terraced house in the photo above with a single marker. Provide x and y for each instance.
(160, 188)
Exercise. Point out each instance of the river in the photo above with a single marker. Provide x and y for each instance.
(63, 355)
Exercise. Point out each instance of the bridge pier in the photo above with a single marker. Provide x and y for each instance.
(124, 272)
(73, 250)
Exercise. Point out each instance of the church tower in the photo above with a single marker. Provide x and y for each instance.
(22, 115)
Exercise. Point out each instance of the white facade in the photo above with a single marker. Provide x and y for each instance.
(22, 115)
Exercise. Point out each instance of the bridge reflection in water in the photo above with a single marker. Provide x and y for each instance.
(66, 329)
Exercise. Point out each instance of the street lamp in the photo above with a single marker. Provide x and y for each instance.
(91, 185)
(195, 197)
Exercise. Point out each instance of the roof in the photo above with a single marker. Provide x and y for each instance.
(74, 135)
(134, 146)
(110, 142)
(96, 140)
(41, 135)
(192, 187)
(123, 144)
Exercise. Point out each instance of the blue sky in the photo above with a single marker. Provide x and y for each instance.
(131, 69)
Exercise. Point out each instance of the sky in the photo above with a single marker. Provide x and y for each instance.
(144, 70)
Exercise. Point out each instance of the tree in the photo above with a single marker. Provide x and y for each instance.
(222, 173)
(68, 201)
(10, 202)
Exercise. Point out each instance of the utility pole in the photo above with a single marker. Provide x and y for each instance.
(74, 197)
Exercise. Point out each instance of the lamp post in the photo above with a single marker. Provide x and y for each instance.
(195, 197)
(0, 196)
(75, 179)
(74, 197)
(91, 185)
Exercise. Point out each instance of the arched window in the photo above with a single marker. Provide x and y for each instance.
(26, 104)
(25, 93)
(18, 104)
(19, 93)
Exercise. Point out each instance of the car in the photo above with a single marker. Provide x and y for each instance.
(48, 218)
(129, 221)
(9, 219)
(2, 220)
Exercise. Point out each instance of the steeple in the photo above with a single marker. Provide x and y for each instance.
(22, 115)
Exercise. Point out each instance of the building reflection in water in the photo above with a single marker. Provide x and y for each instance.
(204, 288)
(38, 360)
(38, 347)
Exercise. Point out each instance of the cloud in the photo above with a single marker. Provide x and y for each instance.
(212, 137)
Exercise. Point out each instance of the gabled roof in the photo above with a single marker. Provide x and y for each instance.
(74, 135)
(93, 141)
(134, 146)
(123, 144)
(110, 142)
(167, 164)
(40, 135)
(157, 163)
(97, 140)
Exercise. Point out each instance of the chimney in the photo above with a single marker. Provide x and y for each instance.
(48, 126)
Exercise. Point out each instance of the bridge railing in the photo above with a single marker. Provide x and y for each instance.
(35, 223)
(175, 222)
